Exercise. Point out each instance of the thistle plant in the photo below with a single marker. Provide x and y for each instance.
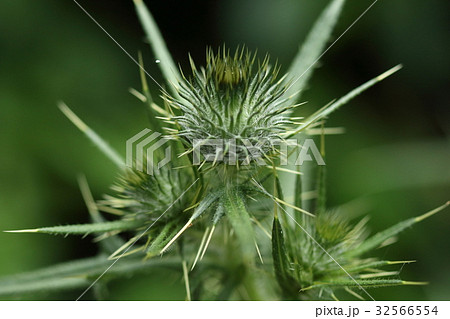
(234, 226)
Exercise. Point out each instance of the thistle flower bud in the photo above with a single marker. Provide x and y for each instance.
(235, 99)
(141, 194)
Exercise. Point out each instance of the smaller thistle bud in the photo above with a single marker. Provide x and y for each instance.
(236, 100)
(156, 201)
(332, 227)
(141, 194)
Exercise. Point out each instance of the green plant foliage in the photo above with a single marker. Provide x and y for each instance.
(78, 274)
(86, 229)
(302, 66)
(225, 227)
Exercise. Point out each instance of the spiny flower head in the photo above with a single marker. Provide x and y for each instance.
(155, 200)
(235, 99)
(138, 193)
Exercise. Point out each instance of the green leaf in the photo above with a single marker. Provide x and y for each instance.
(298, 190)
(72, 268)
(44, 286)
(278, 190)
(285, 214)
(206, 203)
(288, 284)
(366, 283)
(78, 274)
(377, 239)
(218, 214)
(328, 109)
(303, 65)
(166, 64)
(370, 265)
(83, 229)
(160, 241)
(321, 180)
(239, 218)
(94, 137)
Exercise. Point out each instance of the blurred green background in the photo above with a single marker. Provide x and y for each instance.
(392, 162)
